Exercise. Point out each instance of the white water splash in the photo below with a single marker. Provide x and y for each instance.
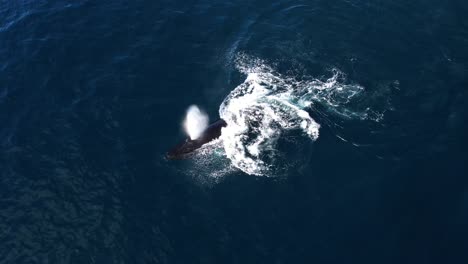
(195, 122)
(268, 104)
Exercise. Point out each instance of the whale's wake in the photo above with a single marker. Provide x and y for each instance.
(267, 105)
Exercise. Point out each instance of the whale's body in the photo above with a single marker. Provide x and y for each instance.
(186, 148)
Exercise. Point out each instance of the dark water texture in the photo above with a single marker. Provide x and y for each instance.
(92, 93)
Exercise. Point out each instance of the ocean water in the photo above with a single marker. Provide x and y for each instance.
(345, 141)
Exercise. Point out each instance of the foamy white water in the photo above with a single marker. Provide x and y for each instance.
(267, 104)
(195, 122)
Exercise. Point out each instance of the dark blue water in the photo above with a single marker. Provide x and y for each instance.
(93, 93)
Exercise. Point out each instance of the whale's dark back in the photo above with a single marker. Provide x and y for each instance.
(186, 148)
(213, 131)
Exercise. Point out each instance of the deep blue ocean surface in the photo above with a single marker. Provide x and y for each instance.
(93, 94)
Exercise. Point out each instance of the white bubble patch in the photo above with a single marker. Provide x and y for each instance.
(267, 104)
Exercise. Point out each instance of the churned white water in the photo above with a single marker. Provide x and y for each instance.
(267, 104)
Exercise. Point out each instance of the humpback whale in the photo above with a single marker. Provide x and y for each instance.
(186, 148)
